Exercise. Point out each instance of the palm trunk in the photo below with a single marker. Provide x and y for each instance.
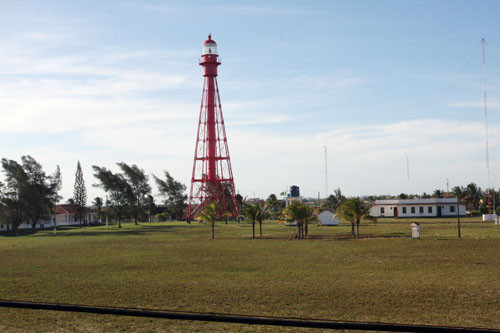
(213, 230)
(458, 218)
(352, 230)
(298, 226)
(307, 229)
(357, 227)
(260, 227)
(119, 223)
(253, 229)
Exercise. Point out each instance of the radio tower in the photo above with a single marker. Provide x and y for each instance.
(212, 179)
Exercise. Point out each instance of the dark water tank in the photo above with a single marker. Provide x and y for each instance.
(294, 191)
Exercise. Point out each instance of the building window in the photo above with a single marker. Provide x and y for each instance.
(413, 210)
(452, 209)
(429, 209)
(404, 210)
(421, 210)
(382, 210)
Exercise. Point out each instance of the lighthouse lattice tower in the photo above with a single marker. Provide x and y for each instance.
(212, 178)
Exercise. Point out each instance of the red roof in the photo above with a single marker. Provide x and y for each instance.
(210, 40)
(71, 209)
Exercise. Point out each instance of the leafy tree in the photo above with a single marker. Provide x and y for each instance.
(174, 193)
(301, 213)
(14, 198)
(209, 214)
(80, 193)
(353, 210)
(139, 184)
(151, 206)
(402, 196)
(29, 194)
(120, 192)
(98, 203)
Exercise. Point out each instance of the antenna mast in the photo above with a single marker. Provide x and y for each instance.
(326, 172)
(408, 173)
(486, 124)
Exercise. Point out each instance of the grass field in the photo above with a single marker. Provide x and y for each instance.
(384, 276)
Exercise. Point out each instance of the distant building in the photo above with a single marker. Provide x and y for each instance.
(68, 215)
(291, 200)
(64, 215)
(435, 207)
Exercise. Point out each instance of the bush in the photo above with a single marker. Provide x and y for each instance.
(162, 216)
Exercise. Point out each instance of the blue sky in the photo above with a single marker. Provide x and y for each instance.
(376, 82)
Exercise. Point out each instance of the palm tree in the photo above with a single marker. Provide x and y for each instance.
(473, 196)
(263, 214)
(438, 193)
(459, 193)
(209, 214)
(301, 213)
(252, 212)
(271, 202)
(353, 210)
(335, 200)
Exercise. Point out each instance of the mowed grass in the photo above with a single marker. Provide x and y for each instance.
(385, 276)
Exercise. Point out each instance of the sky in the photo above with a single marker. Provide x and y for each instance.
(378, 83)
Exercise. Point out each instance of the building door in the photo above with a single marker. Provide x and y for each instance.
(395, 211)
(438, 211)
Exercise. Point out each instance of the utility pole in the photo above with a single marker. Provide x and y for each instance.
(486, 125)
(319, 202)
(447, 185)
(326, 171)
(408, 174)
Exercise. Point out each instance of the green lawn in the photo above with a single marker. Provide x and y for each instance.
(384, 276)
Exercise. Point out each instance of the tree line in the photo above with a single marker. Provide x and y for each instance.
(28, 194)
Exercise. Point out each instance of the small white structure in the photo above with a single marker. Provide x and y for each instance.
(490, 218)
(415, 230)
(326, 218)
(434, 207)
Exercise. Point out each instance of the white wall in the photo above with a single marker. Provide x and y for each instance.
(389, 210)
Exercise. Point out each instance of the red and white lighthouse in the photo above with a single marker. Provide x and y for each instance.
(212, 179)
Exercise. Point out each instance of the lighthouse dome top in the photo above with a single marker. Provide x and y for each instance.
(210, 40)
(209, 46)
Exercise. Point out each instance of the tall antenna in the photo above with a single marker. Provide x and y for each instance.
(486, 124)
(326, 171)
(408, 173)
